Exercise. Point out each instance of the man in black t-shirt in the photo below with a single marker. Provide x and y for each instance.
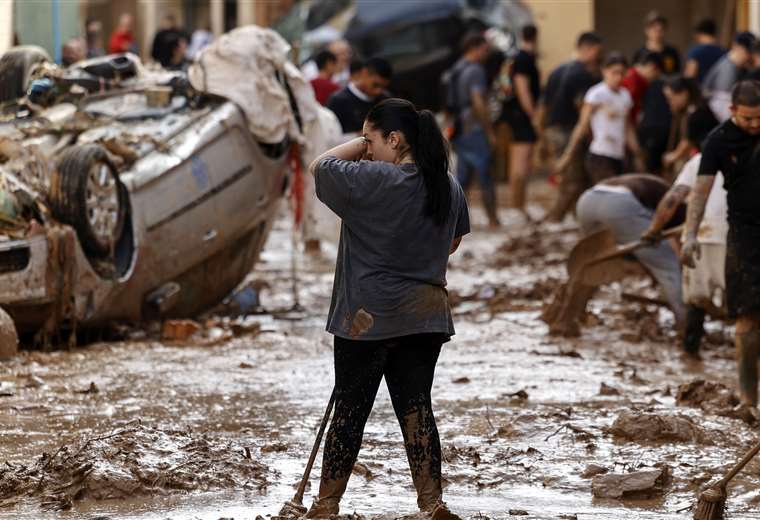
(733, 148)
(655, 27)
(519, 112)
(559, 111)
(367, 88)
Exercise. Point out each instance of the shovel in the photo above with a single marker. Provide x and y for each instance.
(595, 260)
(599, 247)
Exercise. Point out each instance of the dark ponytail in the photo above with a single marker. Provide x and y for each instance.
(427, 145)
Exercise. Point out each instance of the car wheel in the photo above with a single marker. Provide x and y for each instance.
(85, 192)
(15, 68)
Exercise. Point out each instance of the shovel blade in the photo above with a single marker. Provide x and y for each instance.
(589, 248)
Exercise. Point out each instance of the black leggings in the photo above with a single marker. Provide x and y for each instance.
(408, 364)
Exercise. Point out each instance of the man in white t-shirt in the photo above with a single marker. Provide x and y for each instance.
(703, 286)
(605, 115)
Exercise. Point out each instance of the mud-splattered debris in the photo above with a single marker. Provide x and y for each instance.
(593, 470)
(133, 461)
(645, 426)
(276, 447)
(520, 395)
(454, 453)
(607, 390)
(461, 380)
(638, 484)
(245, 364)
(363, 470)
(33, 381)
(518, 512)
(8, 337)
(179, 330)
(706, 395)
(743, 412)
(92, 389)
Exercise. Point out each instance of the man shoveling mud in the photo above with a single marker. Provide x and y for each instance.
(626, 205)
(733, 148)
(403, 215)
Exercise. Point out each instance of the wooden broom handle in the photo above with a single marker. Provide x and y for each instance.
(739, 465)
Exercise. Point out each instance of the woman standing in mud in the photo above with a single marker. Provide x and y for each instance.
(402, 216)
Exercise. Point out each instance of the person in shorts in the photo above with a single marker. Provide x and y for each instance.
(733, 149)
(520, 112)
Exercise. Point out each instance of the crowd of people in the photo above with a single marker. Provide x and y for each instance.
(601, 115)
(690, 130)
(173, 47)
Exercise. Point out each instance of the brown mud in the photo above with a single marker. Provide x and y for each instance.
(527, 420)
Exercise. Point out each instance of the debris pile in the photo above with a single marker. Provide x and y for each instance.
(637, 484)
(646, 426)
(133, 461)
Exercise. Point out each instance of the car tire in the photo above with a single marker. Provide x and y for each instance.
(86, 193)
(15, 67)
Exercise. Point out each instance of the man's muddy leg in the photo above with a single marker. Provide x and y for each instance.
(358, 370)
(695, 329)
(409, 376)
(747, 351)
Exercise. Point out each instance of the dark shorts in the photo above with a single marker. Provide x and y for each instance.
(519, 122)
(600, 167)
(742, 270)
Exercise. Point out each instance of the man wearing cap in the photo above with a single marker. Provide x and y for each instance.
(722, 77)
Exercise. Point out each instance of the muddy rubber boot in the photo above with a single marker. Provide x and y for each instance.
(440, 511)
(328, 503)
(695, 329)
(747, 350)
(323, 508)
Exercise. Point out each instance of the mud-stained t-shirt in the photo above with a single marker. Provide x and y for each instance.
(736, 154)
(390, 274)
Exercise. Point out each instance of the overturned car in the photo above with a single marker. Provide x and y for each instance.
(147, 201)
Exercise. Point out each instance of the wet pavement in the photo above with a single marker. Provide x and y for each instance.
(524, 417)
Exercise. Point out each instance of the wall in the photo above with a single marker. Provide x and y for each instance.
(33, 22)
(559, 22)
(621, 24)
(6, 25)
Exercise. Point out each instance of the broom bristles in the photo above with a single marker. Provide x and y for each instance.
(292, 508)
(711, 504)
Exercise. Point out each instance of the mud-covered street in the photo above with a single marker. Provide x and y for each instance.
(221, 427)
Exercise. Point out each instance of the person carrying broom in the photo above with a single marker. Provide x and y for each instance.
(402, 216)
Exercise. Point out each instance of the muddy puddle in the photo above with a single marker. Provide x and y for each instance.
(615, 424)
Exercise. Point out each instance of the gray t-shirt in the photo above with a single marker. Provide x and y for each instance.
(390, 276)
(471, 77)
(721, 77)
